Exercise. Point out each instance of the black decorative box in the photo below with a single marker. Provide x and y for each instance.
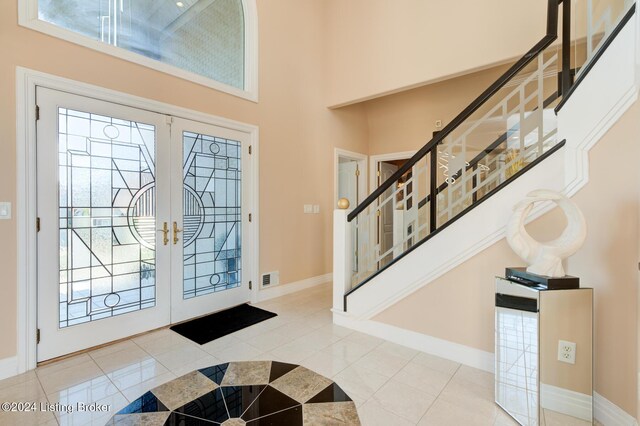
(521, 276)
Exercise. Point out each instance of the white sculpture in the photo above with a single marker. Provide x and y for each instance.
(546, 258)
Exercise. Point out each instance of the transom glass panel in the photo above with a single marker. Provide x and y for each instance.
(205, 37)
(107, 216)
(212, 217)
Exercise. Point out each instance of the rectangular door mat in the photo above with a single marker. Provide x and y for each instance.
(205, 329)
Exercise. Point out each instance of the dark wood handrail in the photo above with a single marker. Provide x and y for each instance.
(550, 37)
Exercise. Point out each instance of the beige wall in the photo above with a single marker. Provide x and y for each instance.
(607, 262)
(405, 121)
(381, 46)
(297, 133)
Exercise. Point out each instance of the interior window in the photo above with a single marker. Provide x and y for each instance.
(205, 37)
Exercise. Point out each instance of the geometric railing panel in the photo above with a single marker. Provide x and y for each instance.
(212, 217)
(107, 206)
(512, 129)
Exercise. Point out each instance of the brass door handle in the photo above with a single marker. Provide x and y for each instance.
(165, 233)
(175, 232)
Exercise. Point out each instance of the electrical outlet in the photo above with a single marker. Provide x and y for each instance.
(438, 124)
(566, 352)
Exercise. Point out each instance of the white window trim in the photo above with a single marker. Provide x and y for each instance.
(28, 17)
(26, 82)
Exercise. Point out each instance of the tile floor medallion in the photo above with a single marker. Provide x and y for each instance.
(388, 383)
(251, 393)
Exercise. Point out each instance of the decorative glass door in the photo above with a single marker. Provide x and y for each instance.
(102, 267)
(208, 219)
(141, 221)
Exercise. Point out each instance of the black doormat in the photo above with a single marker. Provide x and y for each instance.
(205, 329)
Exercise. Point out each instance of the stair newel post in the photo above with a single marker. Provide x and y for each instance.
(343, 254)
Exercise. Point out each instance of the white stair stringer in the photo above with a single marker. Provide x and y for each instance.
(598, 102)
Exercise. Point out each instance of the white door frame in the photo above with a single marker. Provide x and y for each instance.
(26, 82)
(362, 166)
(375, 159)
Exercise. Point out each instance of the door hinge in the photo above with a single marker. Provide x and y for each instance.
(250, 285)
(250, 217)
(37, 224)
(37, 112)
(250, 149)
(357, 172)
(37, 336)
(378, 173)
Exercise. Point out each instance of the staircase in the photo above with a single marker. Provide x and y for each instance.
(530, 129)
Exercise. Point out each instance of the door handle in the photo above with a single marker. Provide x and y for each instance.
(165, 233)
(175, 232)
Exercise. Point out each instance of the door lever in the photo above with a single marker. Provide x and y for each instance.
(165, 233)
(175, 232)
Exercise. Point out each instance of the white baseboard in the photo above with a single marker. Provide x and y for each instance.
(609, 414)
(8, 367)
(284, 289)
(432, 345)
(565, 401)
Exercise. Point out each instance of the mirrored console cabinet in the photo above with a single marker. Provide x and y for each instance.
(544, 356)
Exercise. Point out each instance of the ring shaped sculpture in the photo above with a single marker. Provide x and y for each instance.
(546, 258)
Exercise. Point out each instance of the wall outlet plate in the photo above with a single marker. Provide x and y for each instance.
(308, 208)
(566, 351)
(316, 208)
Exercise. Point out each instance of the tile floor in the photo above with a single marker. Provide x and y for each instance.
(390, 384)
(250, 393)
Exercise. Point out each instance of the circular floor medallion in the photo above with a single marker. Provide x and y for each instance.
(251, 393)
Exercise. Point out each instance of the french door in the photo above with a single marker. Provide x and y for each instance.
(141, 221)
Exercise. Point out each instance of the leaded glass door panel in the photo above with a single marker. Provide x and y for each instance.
(103, 269)
(209, 189)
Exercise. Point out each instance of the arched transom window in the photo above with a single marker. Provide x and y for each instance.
(201, 40)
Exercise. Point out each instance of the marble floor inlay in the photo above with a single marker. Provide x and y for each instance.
(388, 383)
(253, 393)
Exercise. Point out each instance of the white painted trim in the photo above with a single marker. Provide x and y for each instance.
(26, 218)
(28, 17)
(609, 414)
(293, 287)
(362, 166)
(462, 354)
(375, 159)
(565, 401)
(343, 250)
(8, 367)
(26, 82)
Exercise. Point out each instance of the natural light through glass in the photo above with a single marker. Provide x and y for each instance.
(205, 37)
(106, 173)
(212, 221)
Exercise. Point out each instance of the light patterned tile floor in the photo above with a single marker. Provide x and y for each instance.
(390, 384)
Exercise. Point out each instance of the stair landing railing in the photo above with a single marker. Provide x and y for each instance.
(508, 129)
